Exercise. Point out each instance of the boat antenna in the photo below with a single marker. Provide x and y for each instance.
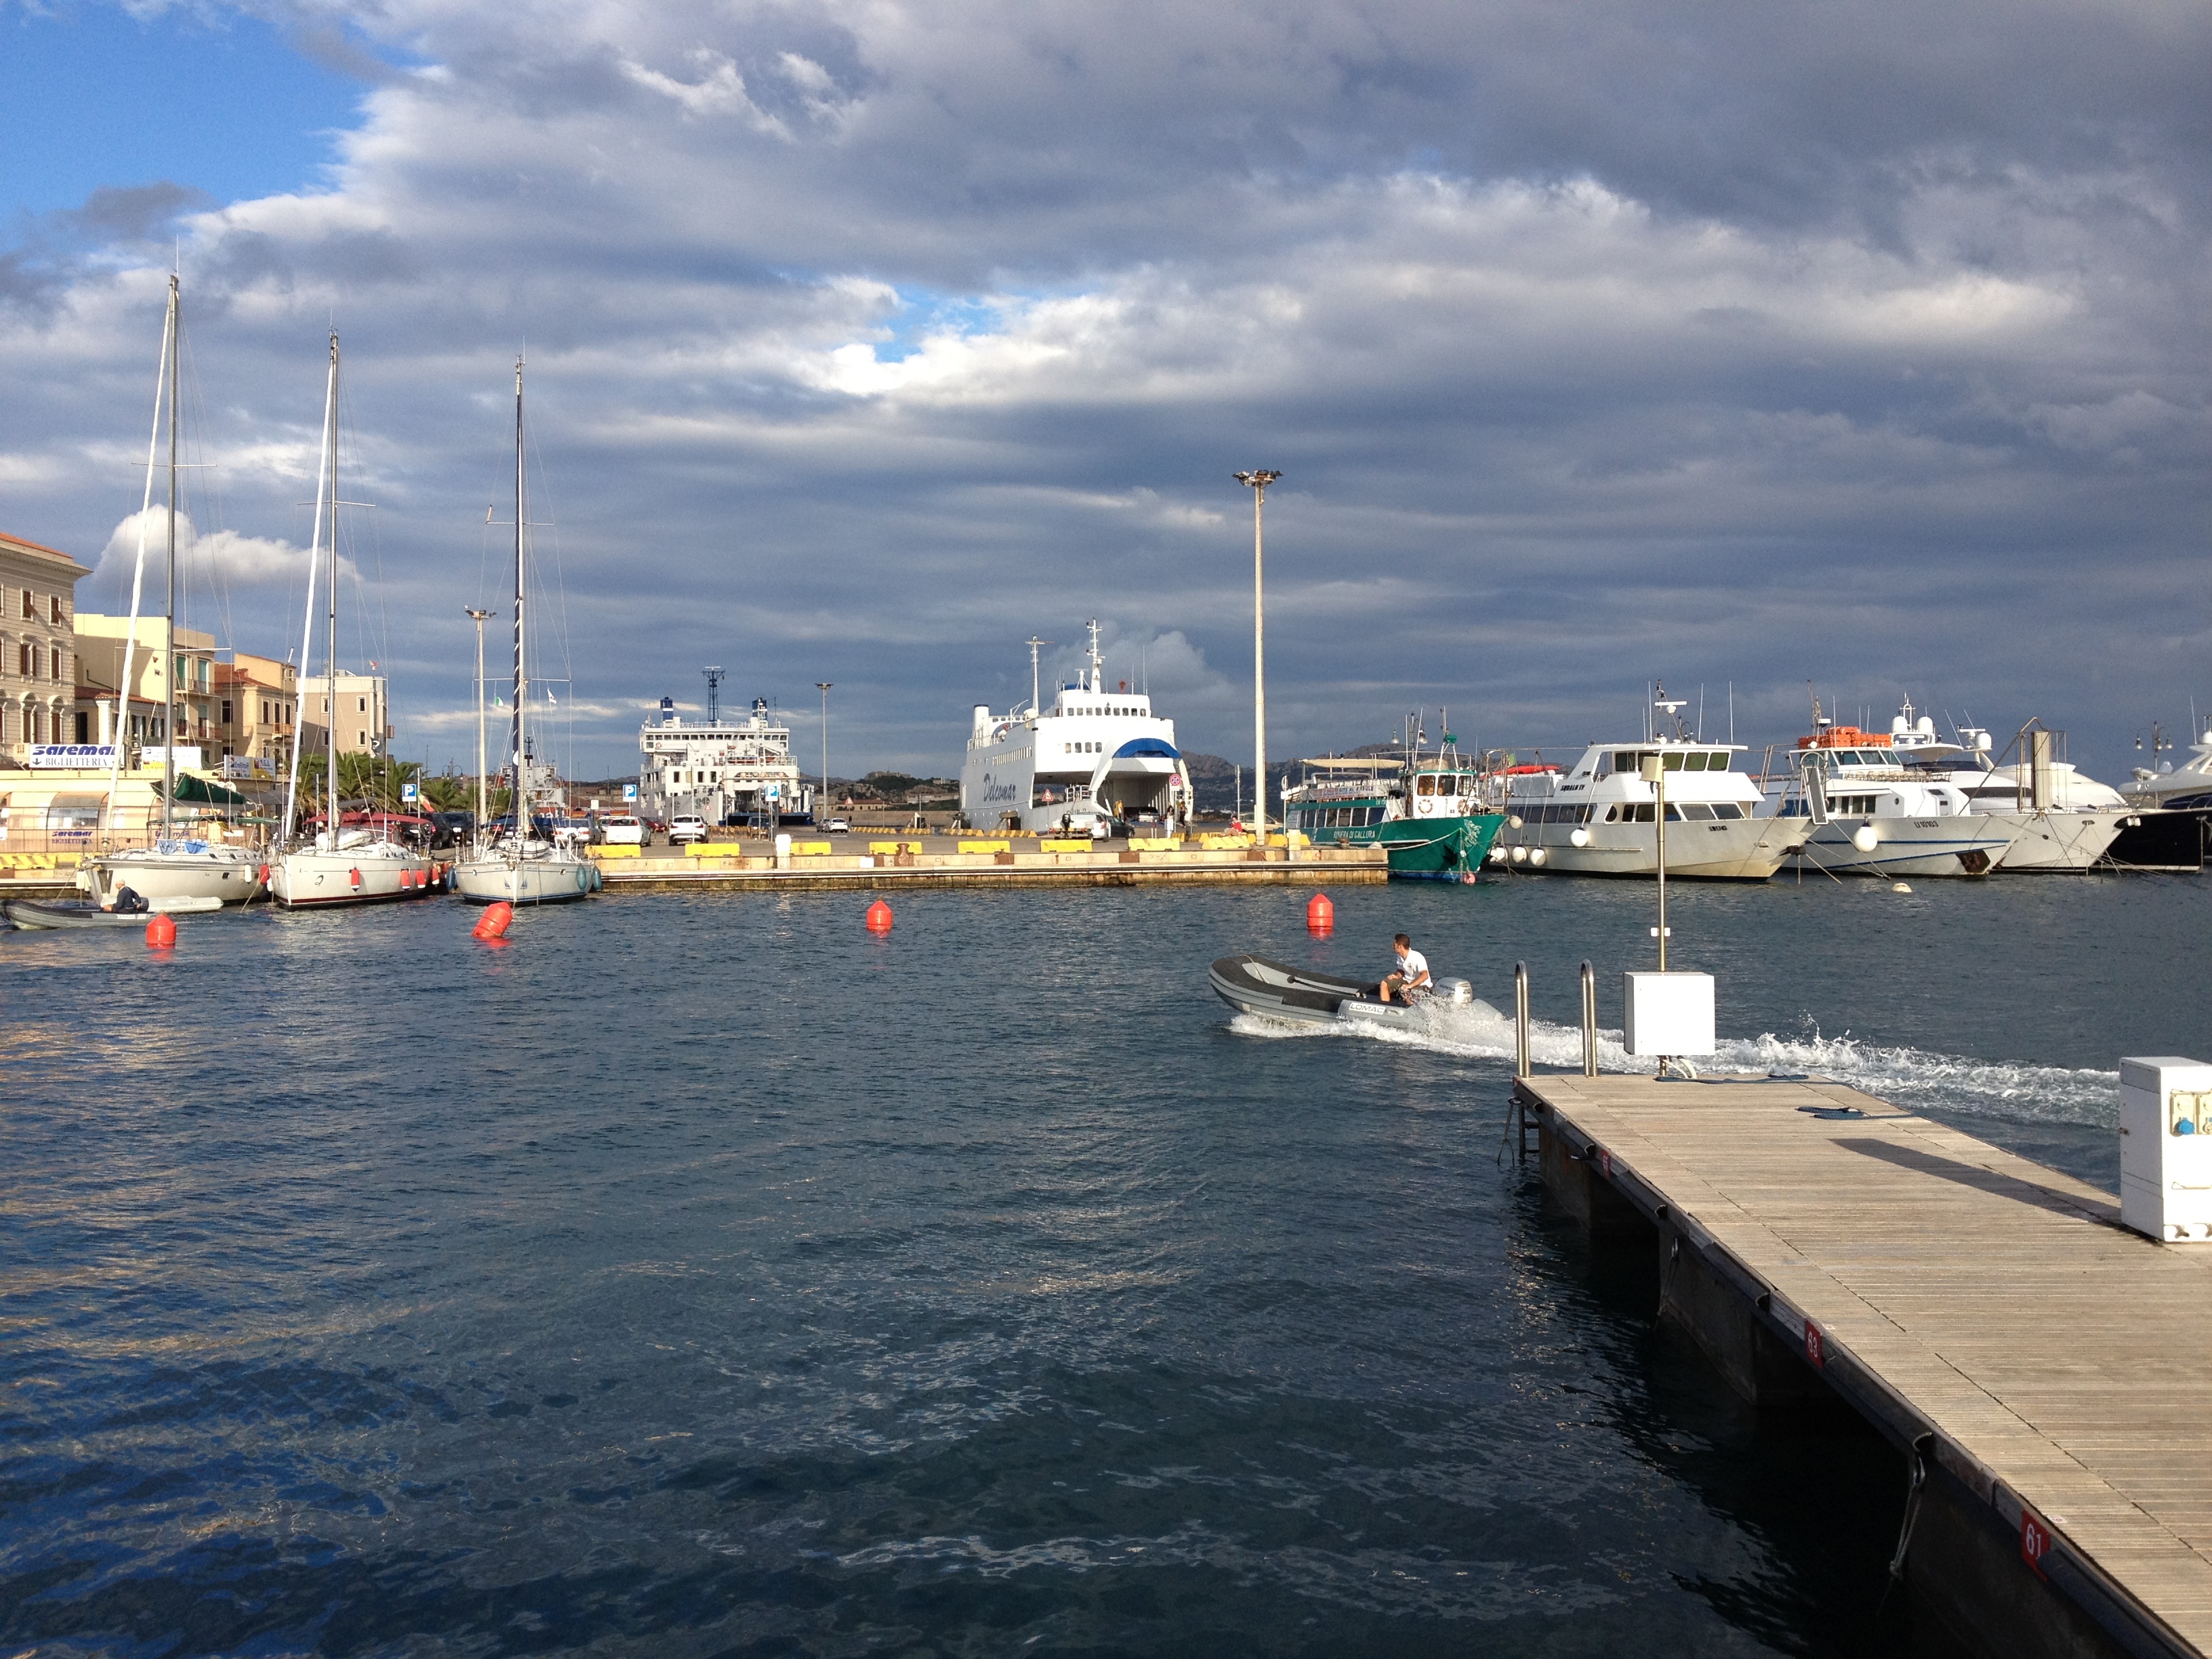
(1098, 665)
(1034, 643)
(169, 675)
(714, 677)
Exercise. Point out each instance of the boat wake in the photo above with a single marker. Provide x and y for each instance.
(1911, 1076)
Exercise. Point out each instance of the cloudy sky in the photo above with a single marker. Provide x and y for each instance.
(1734, 344)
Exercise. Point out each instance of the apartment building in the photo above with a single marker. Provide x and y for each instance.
(38, 647)
(158, 662)
(258, 699)
(361, 718)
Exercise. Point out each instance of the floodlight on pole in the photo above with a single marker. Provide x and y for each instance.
(1258, 483)
(822, 686)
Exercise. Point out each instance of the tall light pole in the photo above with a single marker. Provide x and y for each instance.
(484, 804)
(1258, 483)
(822, 686)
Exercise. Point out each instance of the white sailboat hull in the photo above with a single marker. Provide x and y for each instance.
(229, 875)
(553, 879)
(317, 879)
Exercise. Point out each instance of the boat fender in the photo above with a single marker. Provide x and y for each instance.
(1866, 838)
(1520, 855)
(354, 876)
(1498, 855)
(1539, 857)
(1578, 837)
(264, 875)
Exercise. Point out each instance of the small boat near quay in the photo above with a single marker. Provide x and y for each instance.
(61, 914)
(1275, 990)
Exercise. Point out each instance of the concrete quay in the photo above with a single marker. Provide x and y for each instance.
(749, 866)
(2043, 1370)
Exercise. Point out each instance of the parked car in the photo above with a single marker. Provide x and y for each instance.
(688, 828)
(838, 827)
(622, 830)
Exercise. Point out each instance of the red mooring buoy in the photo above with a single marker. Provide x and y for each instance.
(880, 917)
(161, 933)
(1320, 915)
(494, 921)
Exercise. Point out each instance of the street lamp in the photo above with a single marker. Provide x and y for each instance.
(1258, 483)
(483, 804)
(822, 686)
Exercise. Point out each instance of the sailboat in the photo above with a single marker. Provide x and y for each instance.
(512, 861)
(173, 869)
(336, 865)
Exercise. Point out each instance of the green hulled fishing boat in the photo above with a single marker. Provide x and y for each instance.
(1427, 813)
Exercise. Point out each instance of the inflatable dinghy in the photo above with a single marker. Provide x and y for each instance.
(78, 913)
(1275, 990)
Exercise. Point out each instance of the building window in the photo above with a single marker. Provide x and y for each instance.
(38, 726)
(363, 710)
(225, 711)
(56, 616)
(30, 611)
(24, 664)
(84, 728)
(55, 659)
(361, 739)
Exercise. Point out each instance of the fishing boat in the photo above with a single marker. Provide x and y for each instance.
(335, 866)
(1601, 817)
(1097, 761)
(1275, 990)
(175, 866)
(513, 862)
(1428, 813)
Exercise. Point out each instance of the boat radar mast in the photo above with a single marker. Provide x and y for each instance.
(1035, 642)
(714, 677)
(1097, 664)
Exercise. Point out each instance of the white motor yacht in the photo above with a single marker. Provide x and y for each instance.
(2061, 822)
(1873, 815)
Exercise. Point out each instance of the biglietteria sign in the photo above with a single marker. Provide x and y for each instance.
(84, 756)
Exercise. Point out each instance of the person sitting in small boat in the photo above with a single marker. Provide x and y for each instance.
(129, 900)
(1411, 979)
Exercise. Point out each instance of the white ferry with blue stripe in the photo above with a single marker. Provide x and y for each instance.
(1098, 760)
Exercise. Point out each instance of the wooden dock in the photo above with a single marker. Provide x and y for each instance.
(2048, 1372)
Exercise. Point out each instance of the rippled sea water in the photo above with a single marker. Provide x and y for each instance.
(704, 1275)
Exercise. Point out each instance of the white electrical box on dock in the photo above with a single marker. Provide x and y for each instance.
(1667, 1014)
(2166, 1147)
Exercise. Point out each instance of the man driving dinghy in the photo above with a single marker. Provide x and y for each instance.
(1411, 982)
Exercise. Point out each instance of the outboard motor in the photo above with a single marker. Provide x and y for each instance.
(1456, 991)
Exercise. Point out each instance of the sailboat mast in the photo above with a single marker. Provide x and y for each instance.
(121, 733)
(323, 463)
(169, 668)
(521, 683)
(330, 675)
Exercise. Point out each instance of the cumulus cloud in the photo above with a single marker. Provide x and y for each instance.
(865, 343)
(226, 558)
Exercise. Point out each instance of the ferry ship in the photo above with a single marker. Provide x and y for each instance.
(727, 772)
(1097, 761)
(1427, 814)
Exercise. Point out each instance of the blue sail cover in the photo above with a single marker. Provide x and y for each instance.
(1146, 746)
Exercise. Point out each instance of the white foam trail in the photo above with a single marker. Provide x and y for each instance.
(1906, 1075)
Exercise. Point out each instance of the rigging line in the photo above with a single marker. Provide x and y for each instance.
(208, 494)
(552, 522)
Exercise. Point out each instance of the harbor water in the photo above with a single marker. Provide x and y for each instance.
(706, 1275)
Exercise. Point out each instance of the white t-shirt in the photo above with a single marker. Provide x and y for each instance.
(1414, 965)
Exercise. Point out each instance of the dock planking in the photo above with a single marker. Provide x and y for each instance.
(1989, 1312)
